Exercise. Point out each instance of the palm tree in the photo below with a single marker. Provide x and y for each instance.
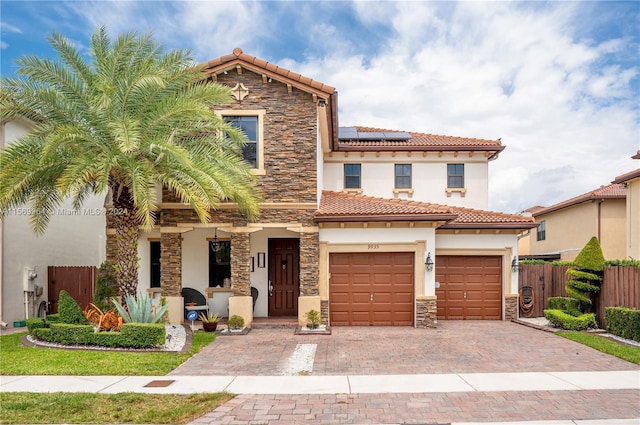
(133, 118)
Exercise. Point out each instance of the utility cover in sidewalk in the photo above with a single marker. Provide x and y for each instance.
(160, 383)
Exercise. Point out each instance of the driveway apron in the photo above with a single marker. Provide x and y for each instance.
(453, 347)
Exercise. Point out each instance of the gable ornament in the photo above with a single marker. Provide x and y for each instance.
(239, 92)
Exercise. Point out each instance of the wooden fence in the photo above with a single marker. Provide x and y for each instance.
(78, 281)
(620, 287)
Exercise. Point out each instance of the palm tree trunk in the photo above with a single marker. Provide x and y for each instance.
(126, 227)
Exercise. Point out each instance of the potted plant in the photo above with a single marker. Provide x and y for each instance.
(313, 319)
(236, 323)
(209, 321)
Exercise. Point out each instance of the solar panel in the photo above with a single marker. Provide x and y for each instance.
(397, 135)
(347, 133)
(370, 135)
(352, 133)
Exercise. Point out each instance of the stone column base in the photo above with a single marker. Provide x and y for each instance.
(306, 303)
(242, 306)
(176, 310)
(511, 307)
(426, 308)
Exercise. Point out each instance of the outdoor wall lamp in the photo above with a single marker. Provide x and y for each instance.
(429, 262)
(514, 265)
(215, 243)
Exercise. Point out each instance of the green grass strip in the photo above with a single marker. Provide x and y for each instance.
(129, 408)
(605, 345)
(20, 360)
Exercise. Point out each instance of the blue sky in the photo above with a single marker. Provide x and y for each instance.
(557, 81)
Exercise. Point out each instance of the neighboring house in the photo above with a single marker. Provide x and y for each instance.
(73, 238)
(632, 182)
(564, 228)
(368, 226)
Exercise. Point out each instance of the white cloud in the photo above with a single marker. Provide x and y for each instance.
(7, 27)
(530, 73)
(494, 70)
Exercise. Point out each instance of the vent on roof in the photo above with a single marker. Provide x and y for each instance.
(352, 133)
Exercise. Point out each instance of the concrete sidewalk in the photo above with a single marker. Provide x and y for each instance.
(349, 384)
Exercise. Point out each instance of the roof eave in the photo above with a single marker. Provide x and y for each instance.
(323, 93)
(522, 226)
(448, 148)
(383, 218)
(562, 206)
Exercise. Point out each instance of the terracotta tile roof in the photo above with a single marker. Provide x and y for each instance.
(261, 66)
(422, 141)
(338, 206)
(612, 191)
(469, 218)
(348, 206)
(628, 176)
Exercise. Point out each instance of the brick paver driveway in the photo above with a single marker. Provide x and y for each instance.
(454, 347)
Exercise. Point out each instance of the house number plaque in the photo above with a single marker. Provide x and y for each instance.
(373, 246)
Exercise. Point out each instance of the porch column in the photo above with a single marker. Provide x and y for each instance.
(241, 303)
(171, 274)
(309, 280)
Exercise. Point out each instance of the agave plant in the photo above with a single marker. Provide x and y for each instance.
(140, 309)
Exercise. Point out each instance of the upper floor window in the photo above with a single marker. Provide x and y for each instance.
(249, 126)
(251, 123)
(403, 176)
(542, 231)
(455, 175)
(352, 176)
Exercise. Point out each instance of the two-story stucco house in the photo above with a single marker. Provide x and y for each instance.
(368, 226)
(73, 238)
(564, 228)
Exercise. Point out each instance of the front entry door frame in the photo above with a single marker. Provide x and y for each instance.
(284, 276)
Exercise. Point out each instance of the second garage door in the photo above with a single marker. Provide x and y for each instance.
(470, 287)
(371, 289)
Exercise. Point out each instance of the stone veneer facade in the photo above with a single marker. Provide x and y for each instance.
(511, 307)
(289, 148)
(426, 309)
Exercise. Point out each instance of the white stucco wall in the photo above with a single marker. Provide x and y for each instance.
(71, 239)
(379, 237)
(429, 178)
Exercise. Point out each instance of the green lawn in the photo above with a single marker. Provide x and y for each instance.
(130, 408)
(615, 348)
(16, 359)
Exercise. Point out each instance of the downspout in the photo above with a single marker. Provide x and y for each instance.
(599, 218)
(2, 322)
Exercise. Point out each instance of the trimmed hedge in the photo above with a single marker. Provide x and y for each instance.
(566, 321)
(141, 335)
(568, 304)
(54, 318)
(68, 334)
(69, 310)
(133, 335)
(36, 323)
(43, 334)
(623, 322)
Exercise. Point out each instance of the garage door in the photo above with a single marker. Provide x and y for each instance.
(371, 289)
(470, 287)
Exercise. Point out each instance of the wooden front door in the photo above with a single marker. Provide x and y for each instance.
(284, 276)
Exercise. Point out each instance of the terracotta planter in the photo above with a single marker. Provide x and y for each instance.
(209, 327)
